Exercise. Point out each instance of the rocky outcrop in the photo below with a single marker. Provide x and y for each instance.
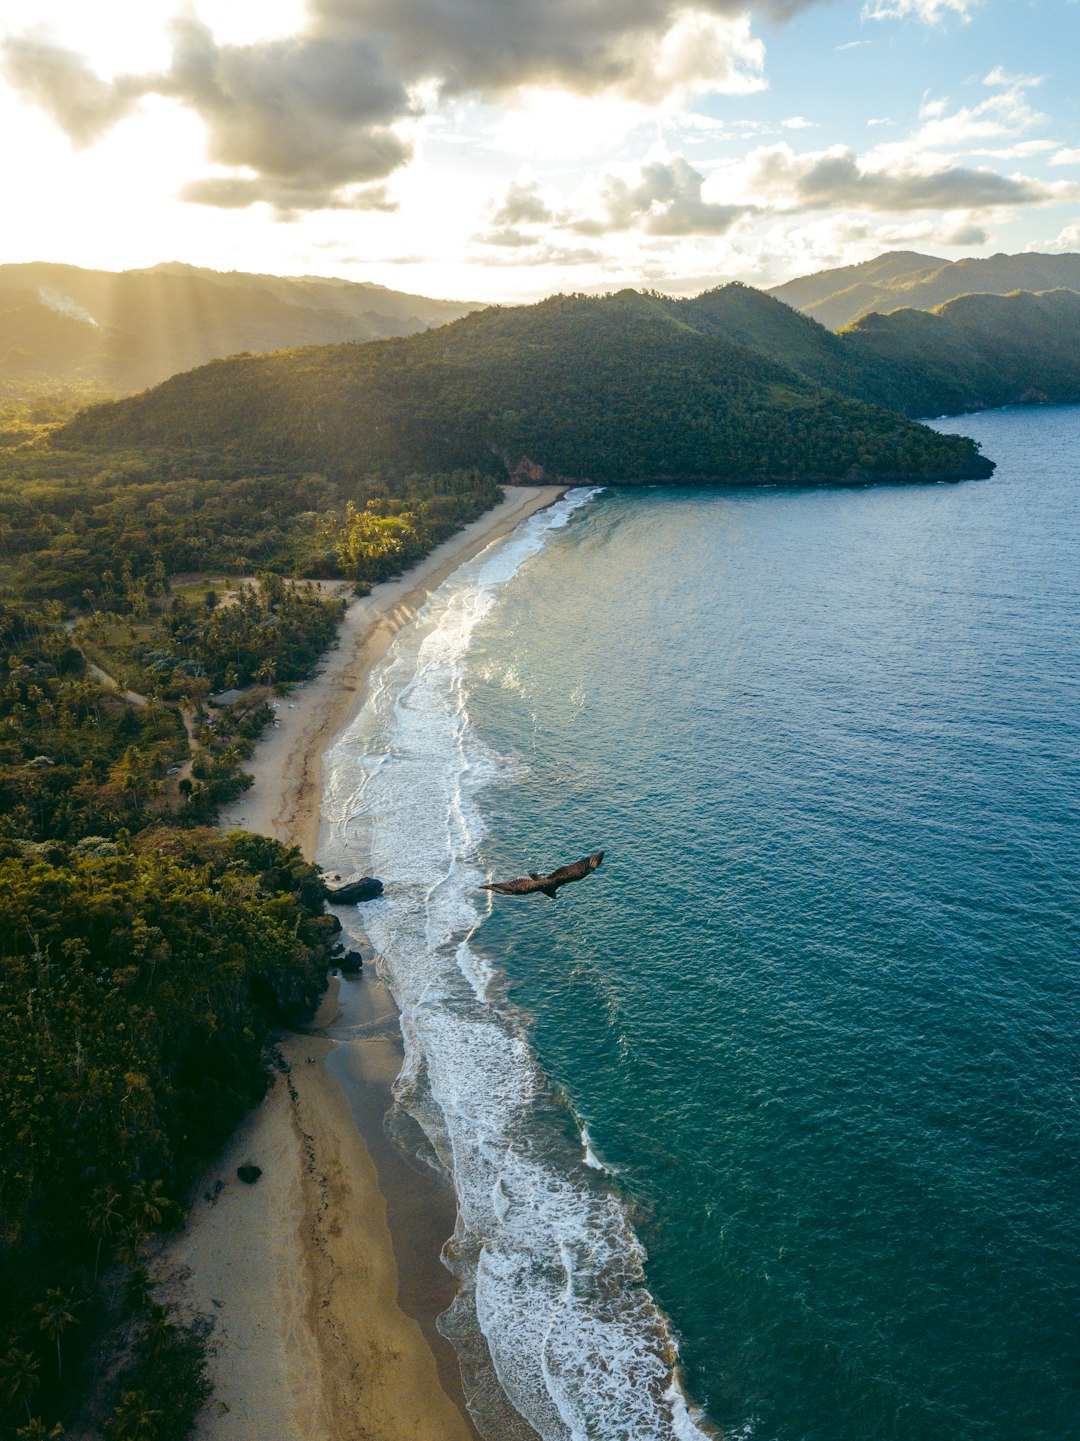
(366, 888)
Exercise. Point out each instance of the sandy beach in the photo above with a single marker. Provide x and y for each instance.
(287, 765)
(323, 1279)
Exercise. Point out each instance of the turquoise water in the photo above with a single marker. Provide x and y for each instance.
(817, 1012)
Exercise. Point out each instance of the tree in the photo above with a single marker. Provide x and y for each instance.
(160, 1329)
(19, 1379)
(134, 1419)
(103, 1218)
(148, 1205)
(36, 1430)
(55, 1314)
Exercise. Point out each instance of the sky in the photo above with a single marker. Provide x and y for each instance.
(504, 149)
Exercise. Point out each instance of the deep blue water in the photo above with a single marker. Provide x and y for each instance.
(819, 1009)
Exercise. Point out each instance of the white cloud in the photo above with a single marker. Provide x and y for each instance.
(1067, 239)
(928, 12)
(692, 120)
(1003, 113)
(799, 122)
(700, 53)
(1022, 150)
(1000, 76)
(663, 199)
(838, 178)
(1065, 157)
(301, 120)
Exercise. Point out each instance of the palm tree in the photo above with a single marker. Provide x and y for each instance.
(36, 1430)
(19, 1379)
(159, 1328)
(140, 1290)
(148, 1204)
(132, 1240)
(200, 689)
(55, 1314)
(102, 1218)
(134, 1419)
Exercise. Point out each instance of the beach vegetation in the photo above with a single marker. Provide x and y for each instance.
(146, 959)
(138, 990)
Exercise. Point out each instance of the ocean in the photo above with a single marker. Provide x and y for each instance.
(769, 1127)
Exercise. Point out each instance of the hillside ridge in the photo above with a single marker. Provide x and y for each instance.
(619, 389)
(840, 296)
(121, 331)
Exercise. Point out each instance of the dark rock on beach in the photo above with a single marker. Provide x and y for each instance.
(351, 963)
(249, 1173)
(367, 888)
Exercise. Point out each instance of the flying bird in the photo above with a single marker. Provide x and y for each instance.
(549, 884)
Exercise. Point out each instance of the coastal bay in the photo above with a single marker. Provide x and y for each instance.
(817, 1012)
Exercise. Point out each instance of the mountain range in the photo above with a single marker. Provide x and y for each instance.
(122, 331)
(905, 278)
(732, 384)
(971, 353)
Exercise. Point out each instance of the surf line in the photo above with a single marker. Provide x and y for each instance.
(551, 1296)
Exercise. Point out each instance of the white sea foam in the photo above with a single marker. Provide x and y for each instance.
(592, 1160)
(551, 1269)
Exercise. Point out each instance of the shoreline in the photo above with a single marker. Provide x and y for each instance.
(324, 1279)
(286, 799)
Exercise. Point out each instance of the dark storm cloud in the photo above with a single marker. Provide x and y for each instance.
(313, 111)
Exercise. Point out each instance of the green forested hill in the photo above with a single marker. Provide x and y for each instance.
(970, 353)
(623, 388)
(61, 325)
(752, 318)
(905, 278)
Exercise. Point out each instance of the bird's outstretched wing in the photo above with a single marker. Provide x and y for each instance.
(547, 885)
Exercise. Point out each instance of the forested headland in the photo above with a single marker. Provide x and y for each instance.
(618, 389)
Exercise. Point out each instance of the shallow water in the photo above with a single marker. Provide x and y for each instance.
(818, 1009)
